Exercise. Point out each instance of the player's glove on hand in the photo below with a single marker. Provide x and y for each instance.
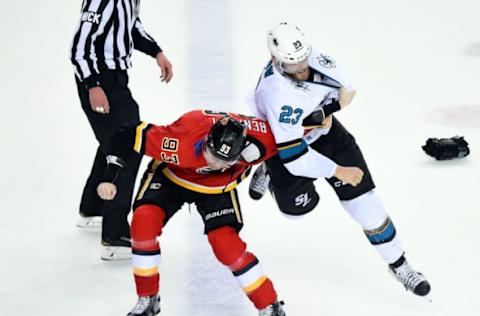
(446, 148)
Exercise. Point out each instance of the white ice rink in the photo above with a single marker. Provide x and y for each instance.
(416, 66)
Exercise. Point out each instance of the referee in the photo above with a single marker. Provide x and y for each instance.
(101, 54)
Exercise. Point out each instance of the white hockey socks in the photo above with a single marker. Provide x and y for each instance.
(369, 212)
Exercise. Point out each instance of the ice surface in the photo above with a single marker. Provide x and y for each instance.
(416, 66)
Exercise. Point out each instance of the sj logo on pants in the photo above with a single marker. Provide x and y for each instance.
(302, 200)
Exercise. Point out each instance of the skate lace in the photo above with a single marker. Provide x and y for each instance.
(409, 277)
(267, 311)
(259, 184)
(259, 181)
(141, 306)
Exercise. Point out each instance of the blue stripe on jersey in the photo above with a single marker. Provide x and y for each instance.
(292, 150)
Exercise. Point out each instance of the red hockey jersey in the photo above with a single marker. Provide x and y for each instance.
(178, 147)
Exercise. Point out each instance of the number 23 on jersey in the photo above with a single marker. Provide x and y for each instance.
(290, 115)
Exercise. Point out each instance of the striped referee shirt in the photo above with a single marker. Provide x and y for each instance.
(105, 37)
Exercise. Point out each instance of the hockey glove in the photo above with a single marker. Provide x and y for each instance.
(114, 166)
(317, 117)
(446, 148)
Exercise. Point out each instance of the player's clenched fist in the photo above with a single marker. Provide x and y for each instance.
(345, 96)
(350, 175)
(107, 190)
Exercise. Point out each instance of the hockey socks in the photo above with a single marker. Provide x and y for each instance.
(230, 250)
(369, 212)
(147, 224)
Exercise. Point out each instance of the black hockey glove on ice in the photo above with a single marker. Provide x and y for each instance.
(446, 148)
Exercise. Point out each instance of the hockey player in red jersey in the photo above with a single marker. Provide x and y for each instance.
(198, 159)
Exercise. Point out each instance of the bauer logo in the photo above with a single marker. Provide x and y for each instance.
(91, 17)
(219, 213)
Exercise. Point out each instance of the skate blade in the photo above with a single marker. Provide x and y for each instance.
(426, 297)
(94, 222)
(111, 253)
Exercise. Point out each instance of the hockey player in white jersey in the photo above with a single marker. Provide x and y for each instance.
(298, 91)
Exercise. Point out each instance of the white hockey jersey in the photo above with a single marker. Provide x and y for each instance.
(284, 103)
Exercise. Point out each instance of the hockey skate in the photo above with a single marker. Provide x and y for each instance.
(146, 306)
(259, 183)
(275, 309)
(412, 280)
(89, 222)
(116, 249)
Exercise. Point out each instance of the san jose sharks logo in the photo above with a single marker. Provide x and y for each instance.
(300, 85)
(326, 61)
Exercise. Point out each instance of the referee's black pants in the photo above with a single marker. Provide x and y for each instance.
(123, 109)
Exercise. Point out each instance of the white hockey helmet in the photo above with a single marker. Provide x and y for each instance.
(288, 45)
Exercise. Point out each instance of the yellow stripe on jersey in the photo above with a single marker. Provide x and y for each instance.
(145, 272)
(149, 178)
(289, 146)
(309, 127)
(198, 187)
(235, 206)
(139, 136)
(252, 287)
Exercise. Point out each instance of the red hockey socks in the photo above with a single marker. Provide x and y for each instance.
(146, 225)
(230, 250)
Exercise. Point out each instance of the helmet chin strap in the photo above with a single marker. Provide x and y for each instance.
(278, 66)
